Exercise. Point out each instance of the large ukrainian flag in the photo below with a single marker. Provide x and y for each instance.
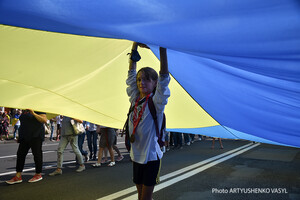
(235, 66)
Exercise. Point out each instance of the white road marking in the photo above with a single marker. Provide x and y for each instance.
(44, 167)
(12, 156)
(33, 169)
(30, 154)
(186, 173)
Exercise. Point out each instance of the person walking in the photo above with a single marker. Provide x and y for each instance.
(4, 120)
(52, 124)
(17, 123)
(107, 140)
(92, 137)
(84, 153)
(68, 136)
(213, 143)
(58, 126)
(31, 136)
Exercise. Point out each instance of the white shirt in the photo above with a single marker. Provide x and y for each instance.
(58, 119)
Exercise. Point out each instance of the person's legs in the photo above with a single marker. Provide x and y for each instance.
(138, 177)
(213, 143)
(186, 138)
(60, 151)
(171, 140)
(221, 145)
(95, 145)
(58, 132)
(180, 140)
(16, 128)
(80, 146)
(36, 147)
(21, 155)
(147, 192)
(89, 141)
(167, 141)
(1, 131)
(117, 150)
(6, 131)
(192, 136)
(145, 177)
(175, 139)
(139, 188)
(52, 130)
(100, 154)
(80, 143)
(104, 159)
(74, 144)
(112, 156)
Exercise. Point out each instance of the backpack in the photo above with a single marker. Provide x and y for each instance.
(159, 133)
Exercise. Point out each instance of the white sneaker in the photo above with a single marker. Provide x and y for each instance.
(96, 165)
(111, 164)
(80, 168)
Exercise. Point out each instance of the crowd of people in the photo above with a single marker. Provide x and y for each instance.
(60, 130)
(32, 134)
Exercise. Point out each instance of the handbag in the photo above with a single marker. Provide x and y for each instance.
(47, 129)
(77, 127)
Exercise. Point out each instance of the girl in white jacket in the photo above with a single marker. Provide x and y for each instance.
(145, 151)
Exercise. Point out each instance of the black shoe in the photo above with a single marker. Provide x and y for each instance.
(86, 158)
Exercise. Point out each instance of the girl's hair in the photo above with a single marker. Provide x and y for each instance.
(149, 73)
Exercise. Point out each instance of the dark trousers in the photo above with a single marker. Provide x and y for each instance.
(80, 144)
(36, 147)
(92, 137)
(177, 137)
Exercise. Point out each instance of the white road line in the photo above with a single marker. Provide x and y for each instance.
(32, 169)
(193, 172)
(12, 156)
(181, 171)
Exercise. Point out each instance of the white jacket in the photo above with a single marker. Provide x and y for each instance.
(145, 148)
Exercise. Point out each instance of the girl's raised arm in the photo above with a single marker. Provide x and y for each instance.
(132, 64)
(163, 61)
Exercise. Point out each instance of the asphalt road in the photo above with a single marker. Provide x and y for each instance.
(242, 170)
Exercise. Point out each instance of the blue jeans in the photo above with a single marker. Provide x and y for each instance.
(192, 137)
(186, 137)
(16, 127)
(80, 143)
(92, 137)
(52, 130)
